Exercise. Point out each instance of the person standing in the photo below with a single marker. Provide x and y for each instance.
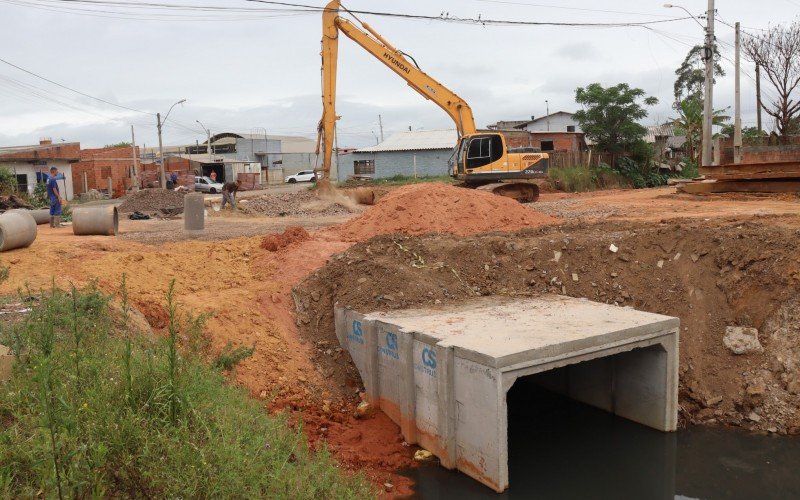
(54, 194)
(229, 190)
(213, 176)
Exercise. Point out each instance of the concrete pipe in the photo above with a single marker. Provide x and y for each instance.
(41, 216)
(99, 220)
(17, 230)
(194, 212)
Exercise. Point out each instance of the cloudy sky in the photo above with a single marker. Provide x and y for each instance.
(247, 71)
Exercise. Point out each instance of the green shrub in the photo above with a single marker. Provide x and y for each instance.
(8, 181)
(39, 198)
(92, 411)
(583, 178)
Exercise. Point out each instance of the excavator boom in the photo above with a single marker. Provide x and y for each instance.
(394, 59)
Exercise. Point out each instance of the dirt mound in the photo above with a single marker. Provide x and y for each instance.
(709, 274)
(298, 204)
(277, 241)
(152, 200)
(440, 208)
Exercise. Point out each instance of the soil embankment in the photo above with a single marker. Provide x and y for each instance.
(710, 275)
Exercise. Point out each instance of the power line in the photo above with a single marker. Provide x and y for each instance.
(71, 89)
(550, 6)
(304, 8)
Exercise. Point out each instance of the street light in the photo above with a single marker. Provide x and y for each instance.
(208, 131)
(671, 6)
(161, 145)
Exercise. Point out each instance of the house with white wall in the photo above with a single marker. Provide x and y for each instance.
(30, 164)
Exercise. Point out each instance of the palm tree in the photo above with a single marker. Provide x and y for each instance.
(690, 123)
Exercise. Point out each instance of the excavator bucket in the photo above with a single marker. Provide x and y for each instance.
(523, 192)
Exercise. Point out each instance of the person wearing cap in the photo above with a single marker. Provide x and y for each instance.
(54, 194)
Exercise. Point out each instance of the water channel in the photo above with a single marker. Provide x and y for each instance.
(560, 449)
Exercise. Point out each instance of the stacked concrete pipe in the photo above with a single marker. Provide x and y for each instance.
(99, 221)
(41, 216)
(17, 230)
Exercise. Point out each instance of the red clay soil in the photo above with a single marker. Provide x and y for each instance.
(277, 241)
(440, 208)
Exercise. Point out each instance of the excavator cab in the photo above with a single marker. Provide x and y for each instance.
(482, 161)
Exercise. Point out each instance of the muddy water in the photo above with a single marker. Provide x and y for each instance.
(560, 449)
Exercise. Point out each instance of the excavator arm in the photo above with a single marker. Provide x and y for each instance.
(332, 24)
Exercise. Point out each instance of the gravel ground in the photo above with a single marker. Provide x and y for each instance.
(151, 201)
(299, 204)
(571, 208)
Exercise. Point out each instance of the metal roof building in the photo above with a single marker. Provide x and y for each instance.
(421, 153)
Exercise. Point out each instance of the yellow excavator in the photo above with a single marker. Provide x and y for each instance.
(481, 159)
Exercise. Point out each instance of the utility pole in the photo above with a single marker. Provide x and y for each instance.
(758, 96)
(135, 156)
(161, 171)
(708, 104)
(737, 121)
(380, 124)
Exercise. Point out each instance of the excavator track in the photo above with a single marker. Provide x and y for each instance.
(523, 192)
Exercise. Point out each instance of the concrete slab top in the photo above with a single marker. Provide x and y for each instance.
(503, 332)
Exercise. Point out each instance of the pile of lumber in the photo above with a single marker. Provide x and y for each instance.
(773, 177)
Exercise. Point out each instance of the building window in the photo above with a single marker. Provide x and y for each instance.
(364, 167)
(22, 183)
(547, 146)
(570, 128)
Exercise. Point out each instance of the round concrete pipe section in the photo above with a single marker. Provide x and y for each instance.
(41, 216)
(17, 230)
(194, 212)
(100, 221)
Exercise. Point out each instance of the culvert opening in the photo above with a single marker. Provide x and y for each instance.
(565, 440)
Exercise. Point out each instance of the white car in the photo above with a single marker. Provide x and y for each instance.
(206, 185)
(302, 176)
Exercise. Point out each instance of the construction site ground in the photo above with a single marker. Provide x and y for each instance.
(713, 261)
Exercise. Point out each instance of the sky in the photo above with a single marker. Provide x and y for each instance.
(255, 71)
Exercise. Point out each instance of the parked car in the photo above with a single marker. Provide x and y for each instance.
(303, 176)
(206, 185)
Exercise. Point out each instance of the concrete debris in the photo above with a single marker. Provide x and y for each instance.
(742, 340)
(754, 417)
(556, 256)
(695, 257)
(423, 456)
(614, 248)
(660, 264)
(677, 256)
(574, 276)
(363, 410)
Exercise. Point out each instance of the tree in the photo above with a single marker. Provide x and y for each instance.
(609, 115)
(750, 135)
(690, 123)
(692, 74)
(777, 52)
(122, 144)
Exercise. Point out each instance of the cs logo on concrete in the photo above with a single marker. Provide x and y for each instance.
(358, 334)
(391, 341)
(429, 358)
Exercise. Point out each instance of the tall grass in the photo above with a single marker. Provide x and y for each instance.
(583, 178)
(95, 411)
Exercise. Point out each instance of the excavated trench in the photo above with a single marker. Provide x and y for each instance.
(711, 275)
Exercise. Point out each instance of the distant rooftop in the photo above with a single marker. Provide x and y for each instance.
(416, 140)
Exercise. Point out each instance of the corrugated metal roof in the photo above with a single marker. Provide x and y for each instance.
(654, 131)
(416, 140)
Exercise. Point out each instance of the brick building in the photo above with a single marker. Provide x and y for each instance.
(98, 165)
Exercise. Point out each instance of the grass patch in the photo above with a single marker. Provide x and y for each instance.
(583, 178)
(399, 180)
(93, 410)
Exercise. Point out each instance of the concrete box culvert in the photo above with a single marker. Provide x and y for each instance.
(17, 230)
(194, 212)
(96, 220)
(443, 375)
